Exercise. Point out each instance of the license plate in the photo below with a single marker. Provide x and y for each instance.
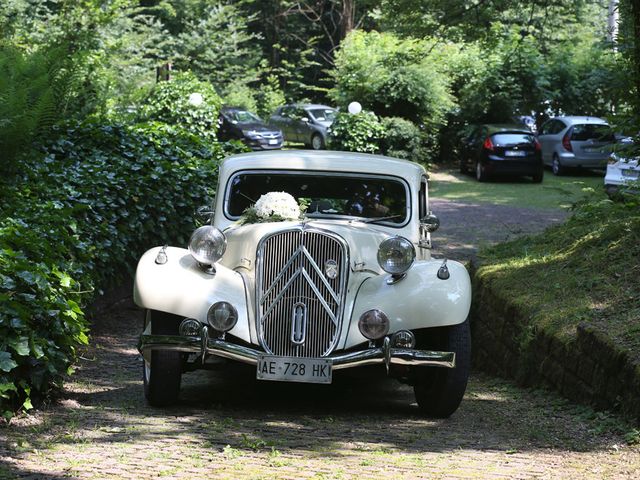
(293, 369)
(273, 142)
(515, 153)
(630, 173)
(591, 149)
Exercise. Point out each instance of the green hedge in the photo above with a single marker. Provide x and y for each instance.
(356, 133)
(74, 223)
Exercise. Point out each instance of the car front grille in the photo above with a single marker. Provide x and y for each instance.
(299, 305)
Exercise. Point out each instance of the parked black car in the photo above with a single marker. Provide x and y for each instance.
(304, 123)
(240, 124)
(501, 149)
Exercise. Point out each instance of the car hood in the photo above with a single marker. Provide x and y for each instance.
(256, 126)
(363, 241)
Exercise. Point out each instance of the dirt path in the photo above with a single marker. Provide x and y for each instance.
(231, 426)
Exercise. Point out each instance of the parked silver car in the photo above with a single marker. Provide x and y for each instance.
(569, 142)
(304, 123)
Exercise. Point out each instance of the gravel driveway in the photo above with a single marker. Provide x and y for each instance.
(231, 426)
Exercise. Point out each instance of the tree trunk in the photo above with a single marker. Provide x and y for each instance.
(347, 19)
(635, 13)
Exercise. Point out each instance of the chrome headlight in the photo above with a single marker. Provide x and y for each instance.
(207, 245)
(396, 255)
(222, 316)
(373, 324)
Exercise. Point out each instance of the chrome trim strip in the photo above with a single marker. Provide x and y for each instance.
(370, 356)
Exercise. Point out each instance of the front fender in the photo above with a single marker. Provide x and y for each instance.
(419, 300)
(182, 288)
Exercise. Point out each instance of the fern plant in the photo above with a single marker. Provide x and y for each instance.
(37, 90)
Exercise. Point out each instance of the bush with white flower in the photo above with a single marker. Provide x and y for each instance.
(273, 207)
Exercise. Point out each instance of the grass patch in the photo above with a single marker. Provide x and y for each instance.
(554, 192)
(584, 270)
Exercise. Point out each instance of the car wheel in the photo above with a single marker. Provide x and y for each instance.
(538, 176)
(439, 391)
(317, 143)
(481, 174)
(163, 374)
(556, 166)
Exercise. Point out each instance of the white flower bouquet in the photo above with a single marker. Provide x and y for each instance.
(273, 207)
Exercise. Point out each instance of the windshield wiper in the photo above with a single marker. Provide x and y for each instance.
(380, 219)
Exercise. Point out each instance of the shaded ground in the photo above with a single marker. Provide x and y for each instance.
(231, 426)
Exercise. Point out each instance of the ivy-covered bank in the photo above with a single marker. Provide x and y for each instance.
(561, 308)
(76, 221)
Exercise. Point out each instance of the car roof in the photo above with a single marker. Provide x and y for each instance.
(332, 161)
(572, 120)
(309, 105)
(506, 127)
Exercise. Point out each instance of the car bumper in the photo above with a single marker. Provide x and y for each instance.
(386, 355)
(263, 144)
(514, 167)
(572, 160)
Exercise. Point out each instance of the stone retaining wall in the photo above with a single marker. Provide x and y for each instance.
(587, 368)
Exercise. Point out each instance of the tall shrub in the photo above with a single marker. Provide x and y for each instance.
(92, 202)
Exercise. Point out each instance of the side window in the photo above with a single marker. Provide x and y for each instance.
(422, 198)
(547, 128)
(561, 126)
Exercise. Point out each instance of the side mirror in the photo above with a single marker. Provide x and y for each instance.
(430, 222)
(205, 212)
(304, 119)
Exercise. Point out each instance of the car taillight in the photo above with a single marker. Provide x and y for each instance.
(536, 143)
(488, 144)
(566, 143)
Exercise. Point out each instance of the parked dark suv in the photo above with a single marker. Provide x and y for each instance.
(240, 124)
(501, 149)
(304, 123)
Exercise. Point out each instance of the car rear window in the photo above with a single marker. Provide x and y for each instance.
(512, 138)
(592, 131)
(327, 195)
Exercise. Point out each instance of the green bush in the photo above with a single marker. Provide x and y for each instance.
(37, 90)
(356, 133)
(403, 139)
(169, 102)
(73, 224)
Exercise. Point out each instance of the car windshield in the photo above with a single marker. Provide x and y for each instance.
(327, 195)
(323, 114)
(592, 131)
(512, 138)
(242, 116)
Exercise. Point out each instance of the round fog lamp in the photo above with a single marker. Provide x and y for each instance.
(403, 339)
(222, 316)
(396, 255)
(373, 324)
(189, 327)
(207, 245)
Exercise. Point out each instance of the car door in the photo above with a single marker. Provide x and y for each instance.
(284, 123)
(548, 137)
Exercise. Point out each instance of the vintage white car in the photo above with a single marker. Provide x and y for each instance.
(301, 295)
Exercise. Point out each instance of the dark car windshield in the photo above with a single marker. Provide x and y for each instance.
(323, 114)
(512, 138)
(242, 116)
(325, 194)
(592, 131)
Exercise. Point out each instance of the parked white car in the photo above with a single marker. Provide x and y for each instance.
(349, 283)
(623, 170)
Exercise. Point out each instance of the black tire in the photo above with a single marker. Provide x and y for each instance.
(439, 391)
(556, 166)
(163, 375)
(538, 176)
(317, 142)
(481, 174)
